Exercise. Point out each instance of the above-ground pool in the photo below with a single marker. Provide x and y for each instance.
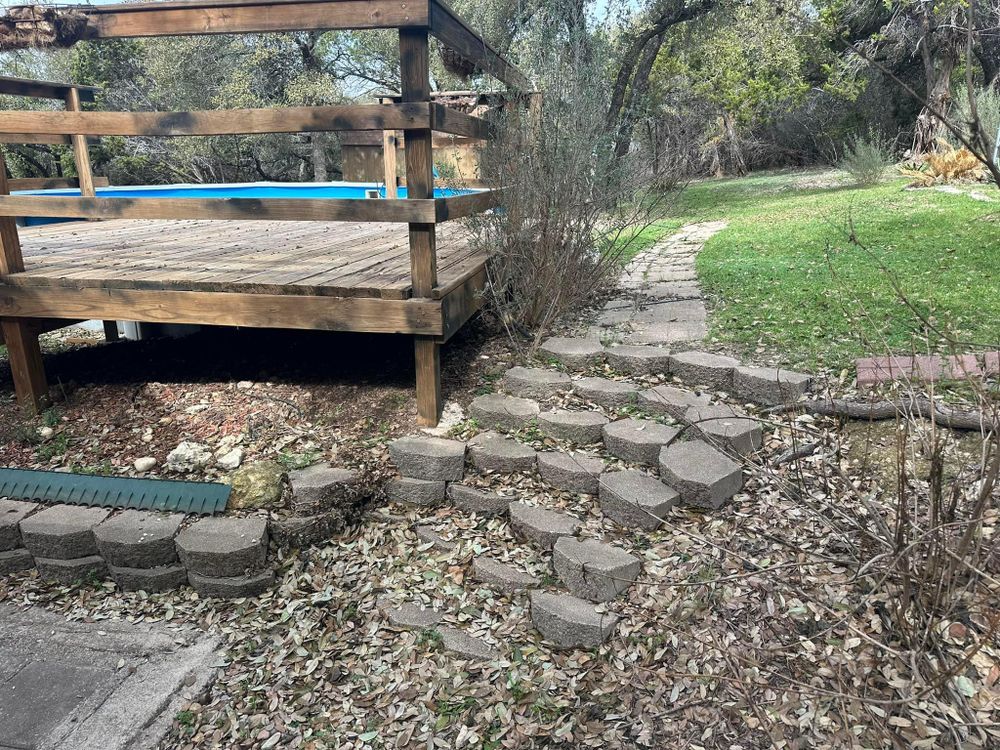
(359, 190)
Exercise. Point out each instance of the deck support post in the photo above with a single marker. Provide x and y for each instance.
(414, 57)
(20, 337)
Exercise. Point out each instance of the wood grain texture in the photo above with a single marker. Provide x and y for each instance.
(427, 353)
(389, 163)
(44, 89)
(33, 138)
(81, 155)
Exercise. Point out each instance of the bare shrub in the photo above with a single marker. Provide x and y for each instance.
(868, 156)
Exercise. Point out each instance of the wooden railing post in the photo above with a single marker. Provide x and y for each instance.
(80, 154)
(414, 57)
(20, 337)
(389, 162)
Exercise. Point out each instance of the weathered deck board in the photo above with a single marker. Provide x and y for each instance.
(342, 259)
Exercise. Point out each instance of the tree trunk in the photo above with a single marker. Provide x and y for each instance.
(318, 158)
(929, 127)
(637, 94)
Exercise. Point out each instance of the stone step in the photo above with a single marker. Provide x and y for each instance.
(671, 402)
(580, 427)
(74, 570)
(724, 426)
(594, 570)
(535, 382)
(498, 412)
(409, 615)
(501, 576)
(770, 386)
(139, 539)
(62, 532)
(473, 500)
(573, 472)
(321, 488)
(426, 457)
(574, 353)
(492, 452)
(567, 621)
(150, 580)
(703, 368)
(231, 587)
(412, 491)
(12, 512)
(462, 644)
(635, 500)
(638, 440)
(610, 394)
(15, 560)
(540, 526)
(223, 547)
(702, 476)
(427, 535)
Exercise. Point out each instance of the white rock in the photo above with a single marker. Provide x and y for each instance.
(146, 463)
(230, 460)
(188, 456)
(46, 432)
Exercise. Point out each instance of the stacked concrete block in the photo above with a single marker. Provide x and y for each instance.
(426, 464)
(61, 540)
(139, 549)
(226, 557)
(13, 555)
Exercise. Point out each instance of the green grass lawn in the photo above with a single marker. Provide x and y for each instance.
(786, 279)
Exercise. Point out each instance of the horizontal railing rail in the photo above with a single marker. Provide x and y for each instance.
(51, 183)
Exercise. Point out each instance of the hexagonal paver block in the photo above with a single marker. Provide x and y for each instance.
(466, 646)
(416, 491)
(62, 532)
(497, 412)
(702, 368)
(639, 360)
(425, 457)
(637, 440)
(223, 547)
(15, 560)
(320, 487)
(702, 476)
(611, 394)
(301, 531)
(574, 353)
(594, 570)
(427, 535)
(75, 570)
(492, 452)
(139, 538)
(12, 512)
(770, 386)
(231, 587)
(573, 472)
(635, 500)
(473, 500)
(408, 615)
(567, 621)
(540, 526)
(501, 576)
(535, 382)
(724, 426)
(671, 402)
(150, 580)
(580, 427)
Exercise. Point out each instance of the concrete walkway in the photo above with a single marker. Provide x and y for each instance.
(95, 686)
(661, 301)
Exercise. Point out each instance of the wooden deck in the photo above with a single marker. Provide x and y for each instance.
(335, 259)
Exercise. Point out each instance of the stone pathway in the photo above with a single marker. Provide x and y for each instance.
(925, 369)
(95, 686)
(661, 301)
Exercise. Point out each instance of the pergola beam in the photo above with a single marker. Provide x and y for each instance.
(44, 89)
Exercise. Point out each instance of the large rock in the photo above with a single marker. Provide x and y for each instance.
(770, 386)
(702, 476)
(258, 485)
(573, 472)
(722, 425)
(432, 458)
(610, 394)
(702, 368)
(492, 452)
(189, 456)
(635, 500)
(540, 526)
(567, 621)
(321, 488)
(223, 547)
(580, 427)
(639, 360)
(574, 353)
(473, 500)
(535, 382)
(594, 570)
(231, 587)
(12, 512)
(509, 413)
(637, 440)
(139, 539)
(671, 402)
(501, 576)
(62, 532)
(416, 491)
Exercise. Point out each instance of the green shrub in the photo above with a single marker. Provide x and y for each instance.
(868, 156)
